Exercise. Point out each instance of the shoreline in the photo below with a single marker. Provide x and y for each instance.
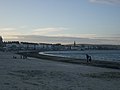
(96, 63)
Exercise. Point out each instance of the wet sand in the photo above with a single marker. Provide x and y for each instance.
(97, 63)
(41, 74)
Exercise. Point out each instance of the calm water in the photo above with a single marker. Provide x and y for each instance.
(108, 55)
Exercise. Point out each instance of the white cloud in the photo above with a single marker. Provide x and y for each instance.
(47, 31)
(106, 1)
(8, 32)
(11, 37)
(63, 40)
(59, 32)
(7, 29)
(25, 26)
(76, 35)
(117, 38)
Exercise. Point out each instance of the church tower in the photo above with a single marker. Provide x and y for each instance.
(74, 43)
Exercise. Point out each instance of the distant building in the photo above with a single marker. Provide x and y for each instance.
(13, 45)
(28, 46)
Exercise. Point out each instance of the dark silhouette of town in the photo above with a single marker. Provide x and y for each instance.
(16, 46)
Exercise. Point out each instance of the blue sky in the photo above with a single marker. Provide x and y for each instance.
(93, 19)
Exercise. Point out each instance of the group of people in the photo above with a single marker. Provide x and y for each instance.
(88, 57)
(14, 57)
(21, 57)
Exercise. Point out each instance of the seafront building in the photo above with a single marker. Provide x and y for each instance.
(16, 45)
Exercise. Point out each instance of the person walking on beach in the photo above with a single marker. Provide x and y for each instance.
(21, 56)
(24, 56)
(90, 58)
(87, 57)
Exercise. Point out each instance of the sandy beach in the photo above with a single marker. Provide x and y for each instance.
(40, 74)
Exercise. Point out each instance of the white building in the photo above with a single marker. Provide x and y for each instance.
(12, 45)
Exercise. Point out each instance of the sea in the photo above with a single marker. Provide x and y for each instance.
(103, 55)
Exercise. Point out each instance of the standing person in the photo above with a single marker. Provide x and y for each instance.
(90, 58)
(87, 57)
(21, 57)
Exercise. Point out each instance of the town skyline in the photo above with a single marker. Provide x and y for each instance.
(62, 21)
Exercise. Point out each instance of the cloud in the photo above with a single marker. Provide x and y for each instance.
(76, 35)
(117, 38)
(63, 40)
(7, 32)
(55, 31)
(56, 35)
(7, 29)
(50, 39)
(59, 32)
(22, 27)
(106, 1)
(47, 31)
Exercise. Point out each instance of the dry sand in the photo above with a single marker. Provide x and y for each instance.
(38, 74)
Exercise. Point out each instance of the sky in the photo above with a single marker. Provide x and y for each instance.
(87, 21)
